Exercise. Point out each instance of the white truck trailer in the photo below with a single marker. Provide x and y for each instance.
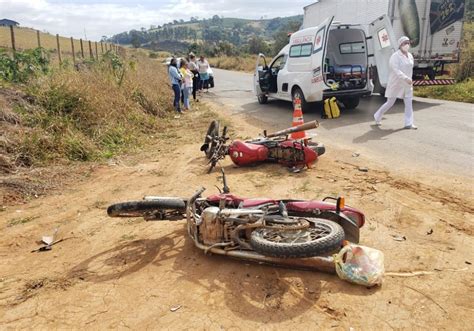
(433, 26)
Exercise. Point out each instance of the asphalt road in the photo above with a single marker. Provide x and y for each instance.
(443, 142)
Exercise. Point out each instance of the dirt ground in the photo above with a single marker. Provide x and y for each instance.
(128, 273)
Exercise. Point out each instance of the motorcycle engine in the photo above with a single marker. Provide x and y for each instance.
(211, 229)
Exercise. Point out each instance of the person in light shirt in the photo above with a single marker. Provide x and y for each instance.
(400, 84)
(203, 66)
(187, 83)
(192, 65)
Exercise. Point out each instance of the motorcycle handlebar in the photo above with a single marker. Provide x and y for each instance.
(196, 195)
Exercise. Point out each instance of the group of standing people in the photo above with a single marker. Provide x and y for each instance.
(188, 77)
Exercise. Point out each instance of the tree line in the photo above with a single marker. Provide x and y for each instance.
(215, 36)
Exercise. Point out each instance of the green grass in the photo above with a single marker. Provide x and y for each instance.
(462, 92)
(128, 237)
(22, 220)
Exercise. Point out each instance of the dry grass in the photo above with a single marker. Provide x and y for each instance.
(239, 63)
(86, 114)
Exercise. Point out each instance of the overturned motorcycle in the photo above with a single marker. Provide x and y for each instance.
(274, 147)
(297, 233)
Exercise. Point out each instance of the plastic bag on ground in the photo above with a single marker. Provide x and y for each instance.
(360, 265)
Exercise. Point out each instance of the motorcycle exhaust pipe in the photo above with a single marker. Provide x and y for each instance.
(302, 127)
(318, 263)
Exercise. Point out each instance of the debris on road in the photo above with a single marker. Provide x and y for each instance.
(363, 169)
(175, 308)
(399, 238)
(421, 272)
(360, 265)
(48, 240)
(355, 154)
(429, 232)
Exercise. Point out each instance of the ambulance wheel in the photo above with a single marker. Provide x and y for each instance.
(351, 102)
(262, 99)
(298, 94)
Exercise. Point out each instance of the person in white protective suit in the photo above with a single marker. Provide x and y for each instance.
(400, 84)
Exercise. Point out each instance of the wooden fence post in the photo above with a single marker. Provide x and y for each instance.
(59, 49)
(12, 34)
(38, 38)
(73, 52)
(96, 53)
(82, 48)
(101, 48)
(90, 50)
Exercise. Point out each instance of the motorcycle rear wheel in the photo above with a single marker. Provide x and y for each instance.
(319, 148)
(145, 208)
(322, 238)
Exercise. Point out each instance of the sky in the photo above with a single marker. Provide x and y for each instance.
(93, 19)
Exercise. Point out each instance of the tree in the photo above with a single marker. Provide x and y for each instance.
(135, 39)
(281, 37)
(257, 45)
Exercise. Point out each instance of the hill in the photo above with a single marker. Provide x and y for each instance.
(227, 36)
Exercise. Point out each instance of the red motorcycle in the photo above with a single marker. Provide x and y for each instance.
(265, 230)
(274, 147)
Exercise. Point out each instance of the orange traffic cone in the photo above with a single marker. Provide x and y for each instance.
(298, 120)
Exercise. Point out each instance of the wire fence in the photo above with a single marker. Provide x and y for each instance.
(19, 39)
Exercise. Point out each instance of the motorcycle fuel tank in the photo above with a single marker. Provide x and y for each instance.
(243, 153)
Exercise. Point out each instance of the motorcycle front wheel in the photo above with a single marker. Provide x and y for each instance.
(212, 134)
(144, 208)
(321, 238)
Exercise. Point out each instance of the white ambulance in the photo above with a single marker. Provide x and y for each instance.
(331, 59)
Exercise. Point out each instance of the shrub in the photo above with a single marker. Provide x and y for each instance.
(22, 66)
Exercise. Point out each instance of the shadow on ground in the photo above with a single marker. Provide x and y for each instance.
(252, 291)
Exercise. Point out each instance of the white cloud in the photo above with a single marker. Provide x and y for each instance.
(98, 18)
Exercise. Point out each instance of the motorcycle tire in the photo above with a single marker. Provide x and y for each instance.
(212, 132)
(145, 207)
(319, 148)
(325, 237)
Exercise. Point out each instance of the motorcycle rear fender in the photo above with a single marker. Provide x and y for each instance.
(316, 207)
(204, 147)
(350, 227)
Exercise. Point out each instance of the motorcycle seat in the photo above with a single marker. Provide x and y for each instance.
(247, 203)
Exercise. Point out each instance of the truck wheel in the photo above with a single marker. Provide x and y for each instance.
(297, 93)
(262, 99)
(351, 103)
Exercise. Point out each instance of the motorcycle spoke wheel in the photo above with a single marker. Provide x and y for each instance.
(210, 140)
(322, 238)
